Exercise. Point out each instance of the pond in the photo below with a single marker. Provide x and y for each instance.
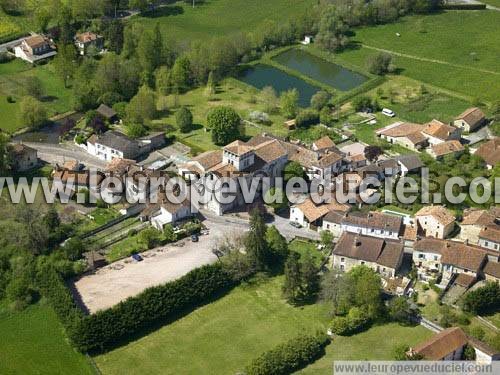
(320, 70)
(262, 75)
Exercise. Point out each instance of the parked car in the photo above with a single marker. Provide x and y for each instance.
(137, 257)
(195, 238)
(388, 112)
(295, 224)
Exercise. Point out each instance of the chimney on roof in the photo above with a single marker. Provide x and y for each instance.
(448, 244)
(466, 241)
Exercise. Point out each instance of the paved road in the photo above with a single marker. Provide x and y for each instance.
(52, 153)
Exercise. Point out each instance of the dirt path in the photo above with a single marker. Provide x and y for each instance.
(430, 60)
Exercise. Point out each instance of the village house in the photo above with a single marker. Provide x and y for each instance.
(165, 212)
(22, 157)
(88, 39)
(438, 132)
(409, 164)
(474, 221)
(490, 152)
(260, 156)
(113, 144)
(310, 214)
(406, 134)
(492, 271)
(489, 238)
(435, 221)
(35, 48)
(470, 120)
(108, 113)
(373, 223)
(432, 256)
(82, 180)
(383, 256)
(449, 345)
(440, 150)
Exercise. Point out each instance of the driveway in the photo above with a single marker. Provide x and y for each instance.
(52, 154)
(110, 285)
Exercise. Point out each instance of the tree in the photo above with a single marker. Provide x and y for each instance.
(51, 219)
(73, 249)
(184, 119)
(326, 240)
(278, 245)
(141, 5)
(163, 81)
(293, 169)
(64, 62)
(373, 152)
(114, 35)
(380, 63)
(142, 107)
(12, 7)
(402, 353)
(279, 197)
(332, 31)
(289, 103)
(292, 286)
(32, 113)
(270, 99)
(255, 242)
(483, 300)
(135, 130)
(400, 310)
(224, 124)
(309, 278)
(33, 86)
(181, 74)
(149, 238)
(150, 52)
(211, 85)
(363, 103)
(320, 100)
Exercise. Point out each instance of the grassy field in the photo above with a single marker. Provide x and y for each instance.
(221, 338)
(495, 3)
(41, 347)
(230, 92)
(307, 248)
(213, 18)
(468, 63)
(377, 343)
(57, 98)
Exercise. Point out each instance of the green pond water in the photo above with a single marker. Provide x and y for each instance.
(262, 75)
(320, 70)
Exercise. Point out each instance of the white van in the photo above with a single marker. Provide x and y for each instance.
(388, 112)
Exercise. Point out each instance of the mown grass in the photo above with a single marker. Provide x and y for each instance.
(33, 342)
(440, 37)
(214, 18)
(57, 98)
(222, 337)
(307, 249)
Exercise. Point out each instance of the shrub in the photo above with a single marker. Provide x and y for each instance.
(289, 357)
(259, 117)
(484, 299)
(155, 304)
(356, 320)
(80, 139)
(184, 119)
(307, 117)
(10, 99)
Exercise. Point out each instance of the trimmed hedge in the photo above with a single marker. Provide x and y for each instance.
(105, 328)
(290, 356)
(108, 327)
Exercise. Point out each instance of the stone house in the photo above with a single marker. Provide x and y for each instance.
(447, 345)
(383, 256)
(438, 132)
(22, 157)
(474, 221)
(310, 214)
(470, 120)
(406, 134)
(440, 150)
(165, 212)
(88, 39)
(435, 221)
(373, 223)
(35, 48)
(492, 271)
(489, 238)
(490, 152)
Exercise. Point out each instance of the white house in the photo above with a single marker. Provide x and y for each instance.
(375, 224)
(470, 120)
(166, 212)
(438, 132)
(35, 48)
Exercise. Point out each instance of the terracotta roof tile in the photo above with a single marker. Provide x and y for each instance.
(439, 129)
(471, 116)
(442, 344)
(447, 147)
(440, 213)
(490, 151)
(492, 269)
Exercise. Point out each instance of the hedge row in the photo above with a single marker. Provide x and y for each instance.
(290, 356)
(105, 328)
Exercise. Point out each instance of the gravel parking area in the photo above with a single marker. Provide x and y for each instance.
(126, 278)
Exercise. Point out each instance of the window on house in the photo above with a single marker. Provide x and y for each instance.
(342, 267)
(435, 257)
(485, 243)
(362, 263)
(342, 259)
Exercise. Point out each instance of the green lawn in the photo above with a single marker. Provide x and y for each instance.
(309, 248)
(214, 18)
(221, 338)
(33, 342)
(12, 80)
(377, 343)
(440, 37)
(495, 3)
(230, 92)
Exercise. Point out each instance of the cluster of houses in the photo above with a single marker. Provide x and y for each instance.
(435, 137)
(37, 47)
